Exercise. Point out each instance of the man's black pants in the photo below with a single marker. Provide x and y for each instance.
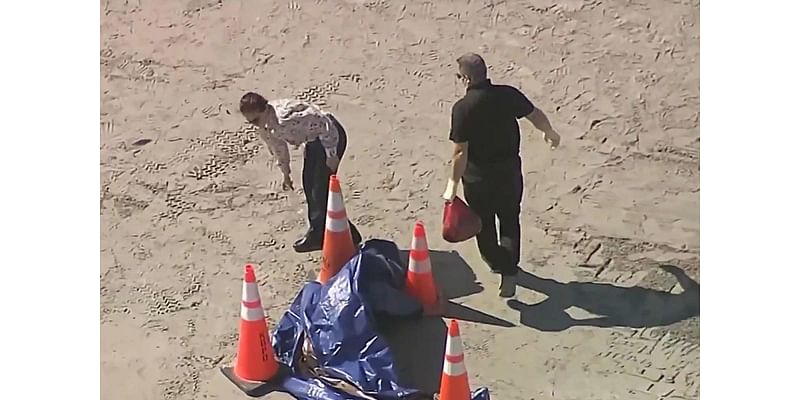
(498, 197)
(316, 182)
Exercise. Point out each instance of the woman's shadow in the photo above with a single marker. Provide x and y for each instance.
(615, 306)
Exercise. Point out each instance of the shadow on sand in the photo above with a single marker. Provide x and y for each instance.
(418, 350)
(418, 345)
(453, 275)
(616, 306)
(455, 279)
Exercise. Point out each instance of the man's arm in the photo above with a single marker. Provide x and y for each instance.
(459, 161)
(522, 107)
(459, 166)
(540, 121)
(460, 132)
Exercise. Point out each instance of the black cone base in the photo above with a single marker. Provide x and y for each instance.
(257, 389)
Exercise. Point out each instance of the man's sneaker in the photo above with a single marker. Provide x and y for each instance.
(508, 285)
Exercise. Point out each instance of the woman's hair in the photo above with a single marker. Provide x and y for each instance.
(252, 102)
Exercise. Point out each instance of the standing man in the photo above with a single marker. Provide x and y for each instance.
(486, 159)
(294, 122)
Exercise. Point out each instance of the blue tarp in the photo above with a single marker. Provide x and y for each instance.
(338, 321)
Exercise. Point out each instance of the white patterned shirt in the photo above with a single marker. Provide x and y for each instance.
(299, 123)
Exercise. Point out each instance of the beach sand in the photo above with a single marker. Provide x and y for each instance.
(189, 194)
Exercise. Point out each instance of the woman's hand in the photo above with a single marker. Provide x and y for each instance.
(287, 182)
(333, 163)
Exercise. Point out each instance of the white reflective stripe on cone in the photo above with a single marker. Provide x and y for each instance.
(336, 224)
(454, 346)
(454, 369)
(420, 267)
(252, 314)
(335, 202)
(419, 243)
(250, 292)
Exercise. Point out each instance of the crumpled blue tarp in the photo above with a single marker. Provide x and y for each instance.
(339, 320)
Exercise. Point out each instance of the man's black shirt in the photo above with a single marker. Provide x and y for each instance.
(486, 118)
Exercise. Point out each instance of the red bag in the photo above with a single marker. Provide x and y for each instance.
(459, 222)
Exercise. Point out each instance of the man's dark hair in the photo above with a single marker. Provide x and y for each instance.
(473, 66)
(252, 102)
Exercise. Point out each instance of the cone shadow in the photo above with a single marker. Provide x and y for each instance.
(453, 275)
(464, 313)
(418, 350)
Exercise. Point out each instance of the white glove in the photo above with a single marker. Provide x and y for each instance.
(450, 191)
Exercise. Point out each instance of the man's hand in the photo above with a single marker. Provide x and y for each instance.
(333, 163)
(540, 121)
(287, 183)
(552, 138)
(450, 191)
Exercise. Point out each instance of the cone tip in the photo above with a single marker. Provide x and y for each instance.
(249, 273)
(419, 229)
(454, 330)
(334, 184)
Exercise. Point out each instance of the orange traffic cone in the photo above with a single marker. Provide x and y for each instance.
(419, 279)
(255, 361)
(455, 384)
(337, 247)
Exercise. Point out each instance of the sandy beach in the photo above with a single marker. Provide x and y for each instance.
(610, 220)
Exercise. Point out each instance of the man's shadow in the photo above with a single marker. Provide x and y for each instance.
(616, 306)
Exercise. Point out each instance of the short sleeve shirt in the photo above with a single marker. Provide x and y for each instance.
(486, 118)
